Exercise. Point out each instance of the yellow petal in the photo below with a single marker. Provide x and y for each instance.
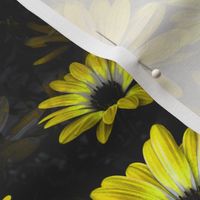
(121, 187)
(119, 194)
(112, 68)
(171, 157)
(36, 42)
(181, 147)
(41, 41)
(119, 70)
(19, 149)
(127, 79)
(190, 145)
(50, 56)
(8, 197)
(116, 72)
(109, 114)
(82, 73)
(52, 38)
(48, 90)
(62, 111)
(25, 124)
(69, 86)
(70, 78)
(103, 132)
(140, 93)
(4, 112)
(158, 170)
(128, 102)
(98, 65)
(63, 100)
(66, 116)
(74, 129)
(40, 27)
(140, 171)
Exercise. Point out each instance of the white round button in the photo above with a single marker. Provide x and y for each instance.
(156, 73)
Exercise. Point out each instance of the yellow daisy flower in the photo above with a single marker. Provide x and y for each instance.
(170, 173)
(94, 93)
(49, 35)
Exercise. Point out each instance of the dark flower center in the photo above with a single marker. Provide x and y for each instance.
(106, 95)
(192, 195)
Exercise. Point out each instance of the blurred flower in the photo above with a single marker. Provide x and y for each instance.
(13, 146)
(95, 91)
(170, 172)
(49, 36)
(20, 136)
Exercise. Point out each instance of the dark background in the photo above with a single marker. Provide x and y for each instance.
(55, 171)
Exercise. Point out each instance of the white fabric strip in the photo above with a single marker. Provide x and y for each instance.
(120, 55)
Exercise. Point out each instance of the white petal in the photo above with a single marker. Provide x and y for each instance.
(164, 46)
(112, 22)
(144, 24)
(77, 13)
(96, 9)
